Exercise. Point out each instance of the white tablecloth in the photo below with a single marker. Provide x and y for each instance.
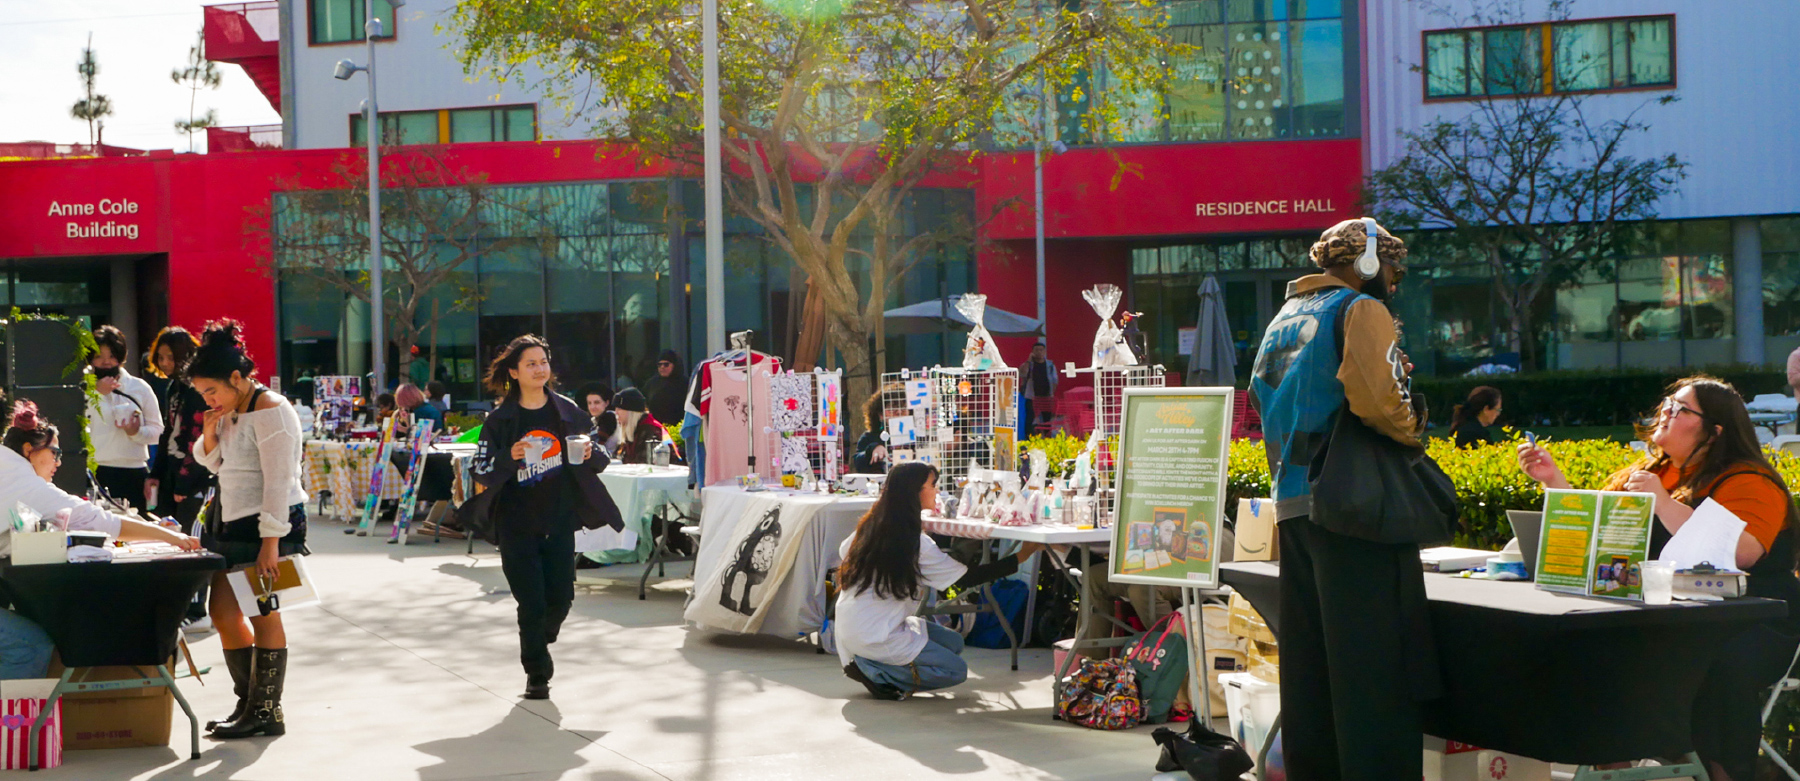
(798, 607)
(638, 490)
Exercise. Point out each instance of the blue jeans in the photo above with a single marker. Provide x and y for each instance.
(24, 648)
(939, 664)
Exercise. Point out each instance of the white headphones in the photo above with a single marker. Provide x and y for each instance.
(1369, 264)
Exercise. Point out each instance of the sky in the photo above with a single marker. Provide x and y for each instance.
(137, 42)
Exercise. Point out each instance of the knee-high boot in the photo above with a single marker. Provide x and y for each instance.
(264, 714)
(238, 661)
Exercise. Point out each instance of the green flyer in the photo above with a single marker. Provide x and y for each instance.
(1594, 542)
(1567, 544)
(1621, 543)
(1171, 486)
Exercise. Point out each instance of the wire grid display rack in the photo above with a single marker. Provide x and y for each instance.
(955, 419)
(1109, 413)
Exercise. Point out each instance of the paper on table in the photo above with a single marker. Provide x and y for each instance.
(1710, 536)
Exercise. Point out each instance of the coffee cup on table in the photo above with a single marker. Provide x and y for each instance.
(578, 446)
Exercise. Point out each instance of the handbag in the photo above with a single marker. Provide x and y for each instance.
(1100, 694)
(1205, 755)
(1366, 485)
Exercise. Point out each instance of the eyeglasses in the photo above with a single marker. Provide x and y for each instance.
(1672, 409)
(1399, 274)
(664, 363)
(56, 452)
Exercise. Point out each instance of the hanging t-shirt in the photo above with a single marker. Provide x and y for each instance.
(541, 500)
(738, 417)
(886, 629)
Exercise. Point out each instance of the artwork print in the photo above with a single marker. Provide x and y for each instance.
(831, 405)
(793, 456)
(790, 397)
(751, 566)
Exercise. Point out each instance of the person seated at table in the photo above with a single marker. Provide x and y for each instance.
(1472, 422)
(870, 456)
(1703, 446)
(28, 462)
(889, 562)
(597, 397)
(639, 432)
(408, 397)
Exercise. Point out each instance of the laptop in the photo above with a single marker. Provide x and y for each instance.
(1528, 527)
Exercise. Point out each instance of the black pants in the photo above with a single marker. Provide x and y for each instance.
(124, 484)
(1357, 656)
(1728, 708)
(541, 572)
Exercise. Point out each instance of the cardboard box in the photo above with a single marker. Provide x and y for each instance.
(1452, 761)
(121, 718)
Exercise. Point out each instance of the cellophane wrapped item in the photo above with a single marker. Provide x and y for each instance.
(980, 353)
(1110, 348)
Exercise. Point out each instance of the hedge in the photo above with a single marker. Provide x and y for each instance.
(1569, 398)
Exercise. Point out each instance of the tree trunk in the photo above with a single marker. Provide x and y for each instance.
(853, 342)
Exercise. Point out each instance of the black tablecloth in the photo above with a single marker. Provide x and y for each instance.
(123, 613)
(1557, 677)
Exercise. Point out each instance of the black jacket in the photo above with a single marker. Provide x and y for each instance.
(493, 467)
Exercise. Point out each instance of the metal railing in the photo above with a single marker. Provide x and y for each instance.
(242, 138)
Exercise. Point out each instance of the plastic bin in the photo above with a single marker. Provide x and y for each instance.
(1251, 706)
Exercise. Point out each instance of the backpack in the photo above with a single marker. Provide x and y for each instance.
(1100, 694)
(1159, 659)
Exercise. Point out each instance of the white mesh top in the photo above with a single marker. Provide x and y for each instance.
(258, 464)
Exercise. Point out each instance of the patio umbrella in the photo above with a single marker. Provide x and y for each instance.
(1214, 359)
(927, 317)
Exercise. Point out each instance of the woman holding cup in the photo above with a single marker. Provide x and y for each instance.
(541, 473)
(1703, 446)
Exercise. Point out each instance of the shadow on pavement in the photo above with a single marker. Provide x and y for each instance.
(476, 756)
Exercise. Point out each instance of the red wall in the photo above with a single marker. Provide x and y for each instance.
(1007, 273)
(1165, 189)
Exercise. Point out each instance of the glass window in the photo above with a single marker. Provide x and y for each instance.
(1584, 310)
(1583, 55)
(1446, 64)
(471, 125)
(1255, 10)
(1198, 85)
(1318, 78)
(1140, 112)
(1650, 299)
(341, 21)
(1258, 79)
(1649, 52)
(399, 128)
(1781, 293)
(521, 123)
(1318, 9)
(1706, 296)
(1510, 62)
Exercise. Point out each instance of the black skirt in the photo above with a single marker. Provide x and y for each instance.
(240, 541)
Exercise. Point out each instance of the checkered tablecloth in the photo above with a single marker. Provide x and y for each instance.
(959, 527)
(344, 468)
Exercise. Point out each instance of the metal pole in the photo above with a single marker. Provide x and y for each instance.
(1037, 175)
(372, 134)
(714, 184)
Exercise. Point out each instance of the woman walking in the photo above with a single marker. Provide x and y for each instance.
(250, 439)
(177, 481)
(540, 486)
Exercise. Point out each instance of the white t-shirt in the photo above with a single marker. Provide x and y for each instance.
(885, 629)
(19, 484)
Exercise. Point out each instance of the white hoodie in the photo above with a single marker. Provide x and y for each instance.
(112, 446)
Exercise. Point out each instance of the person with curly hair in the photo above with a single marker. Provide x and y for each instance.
(1357, 656)
(177, 481)
(250, 439)
(28, 462)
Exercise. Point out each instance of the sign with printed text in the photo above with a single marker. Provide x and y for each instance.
(1594, 542)
(1171, 486)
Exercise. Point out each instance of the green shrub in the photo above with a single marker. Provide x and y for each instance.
(1569, 398)
(1059, 449)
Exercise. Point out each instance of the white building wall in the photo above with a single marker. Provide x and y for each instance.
(416, 71)
(1737, 122)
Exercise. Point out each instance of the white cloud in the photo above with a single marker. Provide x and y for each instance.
(137, 42)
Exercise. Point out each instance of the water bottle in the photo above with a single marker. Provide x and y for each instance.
(664, 451)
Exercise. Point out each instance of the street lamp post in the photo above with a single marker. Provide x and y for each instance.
(714, 208)
(372, 134)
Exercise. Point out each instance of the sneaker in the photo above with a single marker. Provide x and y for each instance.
(197, 625)
(880, 691)
(537, 688)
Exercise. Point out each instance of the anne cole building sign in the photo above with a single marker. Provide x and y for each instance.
(1278, 206)
(95, 220)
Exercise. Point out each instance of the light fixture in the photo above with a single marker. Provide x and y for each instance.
(345, 69)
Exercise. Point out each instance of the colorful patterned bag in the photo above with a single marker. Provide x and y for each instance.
(1100, 694)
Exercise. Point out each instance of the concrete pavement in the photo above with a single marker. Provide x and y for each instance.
(410, 671)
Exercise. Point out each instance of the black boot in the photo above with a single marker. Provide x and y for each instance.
(537, 687)
(238, 661)
(264, 714)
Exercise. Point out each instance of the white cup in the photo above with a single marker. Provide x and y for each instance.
(577, 448)
(1659, 582)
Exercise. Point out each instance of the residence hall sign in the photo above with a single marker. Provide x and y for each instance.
(1276, 206)
(106, 218)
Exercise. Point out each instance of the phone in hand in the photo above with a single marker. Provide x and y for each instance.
(1531, 439)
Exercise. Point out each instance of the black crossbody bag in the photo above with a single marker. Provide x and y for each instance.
(1366, 485)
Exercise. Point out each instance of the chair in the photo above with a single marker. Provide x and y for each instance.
(1245, 422)
(1787, 684)
(1044, 415)
(1787, 442)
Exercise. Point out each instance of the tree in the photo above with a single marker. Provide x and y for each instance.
(832, 111)
(92, 107)
(200, 73)
(435, 219)
(1525, 182)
